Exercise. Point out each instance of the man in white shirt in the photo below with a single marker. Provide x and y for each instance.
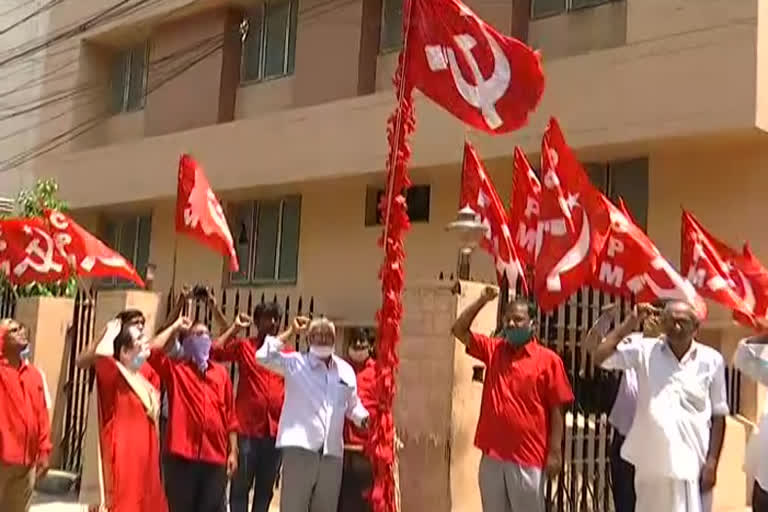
(320, 391)
(677, 433)
(751, 359)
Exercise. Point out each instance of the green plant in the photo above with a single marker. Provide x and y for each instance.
(31, 203)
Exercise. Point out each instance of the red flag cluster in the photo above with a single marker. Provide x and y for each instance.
(737, 280)
(570, 233)
(54, 248)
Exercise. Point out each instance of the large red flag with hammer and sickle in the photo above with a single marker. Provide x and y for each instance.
(54, 248)
(90, 256)
(199, 213)
(573, 223)
(29, 253)
(524, 208)
(478, 192)
(489, 81)
(630, 264)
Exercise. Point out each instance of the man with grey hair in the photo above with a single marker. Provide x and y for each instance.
(320, 391)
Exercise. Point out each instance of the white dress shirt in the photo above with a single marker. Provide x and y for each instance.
(317, 399)
(676, 400)
(750, 360)
(623, 410)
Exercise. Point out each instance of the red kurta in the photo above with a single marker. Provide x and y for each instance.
(260, 392)
(521, 386)
(366, 383)
(25, 431)
(201, 411)
(130, 445)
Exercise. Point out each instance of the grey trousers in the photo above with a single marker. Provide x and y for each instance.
(509, 487)
(311, 481)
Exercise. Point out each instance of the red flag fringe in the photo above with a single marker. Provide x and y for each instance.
(381, 442)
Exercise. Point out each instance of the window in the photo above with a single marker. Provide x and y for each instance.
(269, 47)
(545, 8)
(626, 179)
(266, 237)
(417, 198)
(391, 38)
(130, 237)
(129, 79)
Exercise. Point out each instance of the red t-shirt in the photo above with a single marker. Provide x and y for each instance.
(25, 430)
(521, 386)
(201, 411)
(260, 392)
(129, 443)
(366, 384)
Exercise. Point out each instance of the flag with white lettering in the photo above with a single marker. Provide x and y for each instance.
(631, 265)
(478, 192)
(524, 208)
(199, 213)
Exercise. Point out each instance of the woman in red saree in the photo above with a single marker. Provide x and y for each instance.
(128, 408)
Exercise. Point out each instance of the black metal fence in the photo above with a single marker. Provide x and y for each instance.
(79, 383)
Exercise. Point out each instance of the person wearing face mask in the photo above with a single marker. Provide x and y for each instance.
(25, 432)
(320, 391)
(357, 476)
(677, 433)
(128, 405)
(521, 424)
(258, 403)
(201, 441)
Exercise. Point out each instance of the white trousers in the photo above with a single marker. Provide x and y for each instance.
(669, 495)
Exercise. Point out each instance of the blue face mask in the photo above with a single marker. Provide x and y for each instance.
(25, 353)
(198, 348)
(137, 361)
(516, 336)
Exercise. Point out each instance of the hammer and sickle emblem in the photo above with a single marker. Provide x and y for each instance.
(45, 255)
(488, 91)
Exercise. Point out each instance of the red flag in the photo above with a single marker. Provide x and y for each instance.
(92, 258)
(574, 224)
(706, 262)
(199, 213)
(524, 208)
(488, 80)
(631, 265)
(755, 277)
(478, 193)
(28, 252)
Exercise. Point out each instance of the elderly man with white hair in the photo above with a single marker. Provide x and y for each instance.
(320, 391)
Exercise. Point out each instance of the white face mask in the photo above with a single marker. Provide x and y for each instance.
(321, 351)
(358, 356)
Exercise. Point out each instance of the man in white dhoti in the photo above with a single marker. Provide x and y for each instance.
(677, 433)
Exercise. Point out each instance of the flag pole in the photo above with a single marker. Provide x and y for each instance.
(173, 268)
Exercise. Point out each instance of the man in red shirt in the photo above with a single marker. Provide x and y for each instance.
(25, 430)
(520, 430)
(258, 404)
(357, 478)
(201, 443)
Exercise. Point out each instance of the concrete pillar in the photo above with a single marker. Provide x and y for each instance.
(48, 320)
(438, 403)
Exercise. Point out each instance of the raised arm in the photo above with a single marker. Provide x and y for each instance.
(242, 321)
(218, 316)
(270, 354)
(748, 360)
(87, 357)
(165, 339)
(607, 347)
(461, 327)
